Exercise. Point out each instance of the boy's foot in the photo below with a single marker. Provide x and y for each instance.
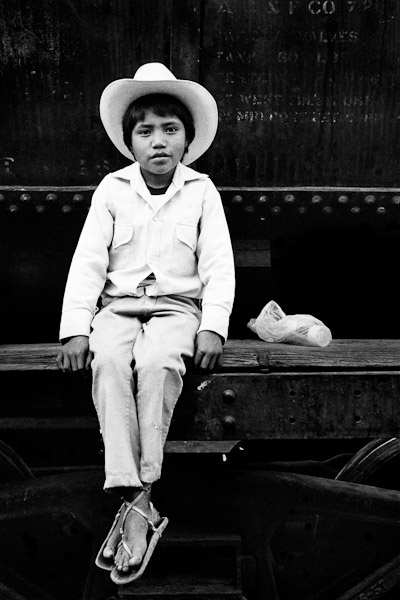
(130, 553)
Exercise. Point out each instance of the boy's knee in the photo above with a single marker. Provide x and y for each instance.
(159, 362)
(111, 358)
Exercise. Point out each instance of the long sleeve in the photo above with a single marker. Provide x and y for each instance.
(216, 264)
(88, 271)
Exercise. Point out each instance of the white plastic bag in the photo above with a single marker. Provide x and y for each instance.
(273, 325)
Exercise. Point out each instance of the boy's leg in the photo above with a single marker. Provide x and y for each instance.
(161, 347)
(160, 351)
(115, 329)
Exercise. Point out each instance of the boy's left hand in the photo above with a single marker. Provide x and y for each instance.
(208, 350)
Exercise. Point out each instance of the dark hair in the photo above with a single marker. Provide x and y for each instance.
(162, 105)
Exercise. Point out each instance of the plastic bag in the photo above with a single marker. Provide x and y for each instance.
(273, 325)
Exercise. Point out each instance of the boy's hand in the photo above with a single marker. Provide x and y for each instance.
(75, 355)
(208, 350)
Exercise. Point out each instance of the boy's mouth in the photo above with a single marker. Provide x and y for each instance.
(160, 155)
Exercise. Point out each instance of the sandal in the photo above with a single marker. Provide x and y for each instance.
(156, 526)
(108, 563)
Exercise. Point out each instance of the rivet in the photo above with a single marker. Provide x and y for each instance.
(316, 199)
(51, 197)
(40, 208)
(381, 210)
(289, 198)
(263, 199)
(327, 210)
(25, 197)
(355, 210)
(229, 396)
(2, 198)
(276, 210)
(228, 421)
(343, 199)
(13, 208)
(77, 198)
(302, 210)
(370, 199)
(396, 200)
(66, 209)
(237, 199)
(249, 209)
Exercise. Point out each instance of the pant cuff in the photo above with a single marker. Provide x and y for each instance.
(116, 481)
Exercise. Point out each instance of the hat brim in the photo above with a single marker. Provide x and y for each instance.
(119, 94)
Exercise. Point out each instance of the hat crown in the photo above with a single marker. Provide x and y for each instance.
(154, 72)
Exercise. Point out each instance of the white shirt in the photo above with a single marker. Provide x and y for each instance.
(182, 237)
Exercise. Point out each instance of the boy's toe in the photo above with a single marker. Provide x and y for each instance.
(136, 559)
(125, 564)
(108, 552)
(118, 559)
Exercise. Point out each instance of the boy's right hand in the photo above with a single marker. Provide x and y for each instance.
(75, 355)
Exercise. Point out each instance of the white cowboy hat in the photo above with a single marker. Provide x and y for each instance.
(155, 78)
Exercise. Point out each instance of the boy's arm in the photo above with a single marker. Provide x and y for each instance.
(88, 271)
(215, 265)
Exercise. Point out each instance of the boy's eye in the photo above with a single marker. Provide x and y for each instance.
(143, 132)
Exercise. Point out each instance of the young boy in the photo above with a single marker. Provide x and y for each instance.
(155, 247)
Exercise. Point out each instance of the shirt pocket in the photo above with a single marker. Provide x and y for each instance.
(122, 235)
(122, 252)
(184, 260)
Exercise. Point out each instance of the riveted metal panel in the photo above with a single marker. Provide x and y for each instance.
(328, 405)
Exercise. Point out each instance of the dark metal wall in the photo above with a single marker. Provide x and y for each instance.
(307, 90)
(306, 153)
(56, 58)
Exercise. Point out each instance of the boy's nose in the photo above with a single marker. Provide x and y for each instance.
(158, 140)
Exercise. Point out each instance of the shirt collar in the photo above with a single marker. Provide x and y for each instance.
(182, 175)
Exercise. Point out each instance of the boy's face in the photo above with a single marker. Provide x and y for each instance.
(158, 144)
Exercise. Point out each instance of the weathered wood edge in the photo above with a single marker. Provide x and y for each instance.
(242, 354)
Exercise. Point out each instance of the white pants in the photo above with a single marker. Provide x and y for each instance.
(139, 347)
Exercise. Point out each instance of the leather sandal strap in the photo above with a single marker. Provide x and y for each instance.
(125, 547)
(143, 514)
(128, 507)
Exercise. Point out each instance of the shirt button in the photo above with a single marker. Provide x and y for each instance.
(155, 219)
